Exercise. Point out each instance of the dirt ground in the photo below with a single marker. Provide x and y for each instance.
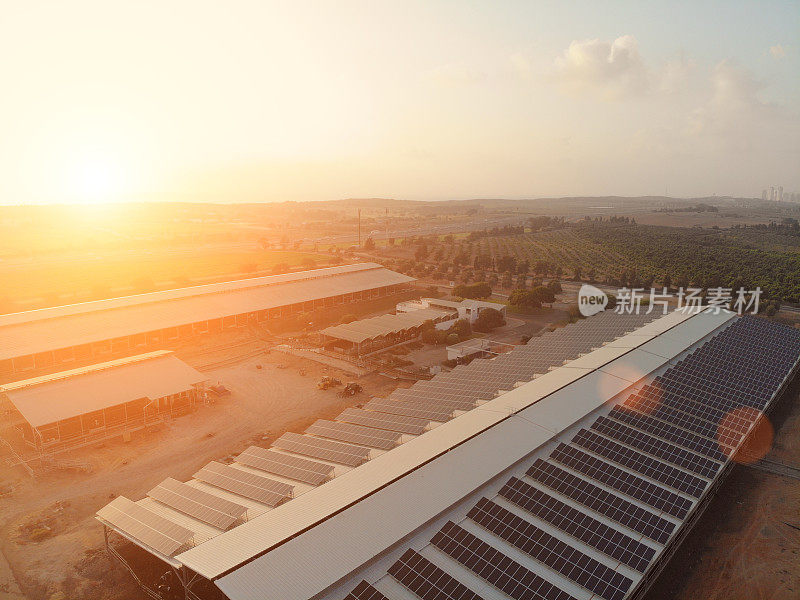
(746, 545)
(49, 536)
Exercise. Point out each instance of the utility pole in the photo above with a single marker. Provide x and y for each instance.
(359, 228)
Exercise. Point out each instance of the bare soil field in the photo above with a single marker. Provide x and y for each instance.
(49, 536)
(747, 544)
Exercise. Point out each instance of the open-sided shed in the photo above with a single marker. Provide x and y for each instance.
(79, 406)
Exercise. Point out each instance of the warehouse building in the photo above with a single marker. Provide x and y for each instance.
(80, 333)
(571, 467)
(82, 406)
(467, 309)
(369, 335)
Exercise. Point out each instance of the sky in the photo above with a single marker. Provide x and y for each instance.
(273, 101)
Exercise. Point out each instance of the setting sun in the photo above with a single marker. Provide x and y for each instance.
(97, 180)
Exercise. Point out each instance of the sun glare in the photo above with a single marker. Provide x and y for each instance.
(97, 180)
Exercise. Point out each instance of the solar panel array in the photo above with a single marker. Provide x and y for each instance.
(285, 465)
(196, 503)
(355, 434)
(399, 423)
(338, 452)
(248, 485)
(364, 591)
(621, 485)
(155, 531)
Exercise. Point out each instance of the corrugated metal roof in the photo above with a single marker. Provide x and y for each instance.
(31, 332)
(367, 329)
(365, 528)
(278, 529)
(60, 396)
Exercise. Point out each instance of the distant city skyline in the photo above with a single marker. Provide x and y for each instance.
(267, 101)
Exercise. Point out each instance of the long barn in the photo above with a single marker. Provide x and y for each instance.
(81, 333)
(569, 468)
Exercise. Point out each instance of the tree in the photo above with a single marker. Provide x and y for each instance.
(544, 294)
(369, 244)
(577, 273)
(452, 338)
(475, 290)
(280, 268)
(429, 336)
(524, 299)
(462, 328)
(488, 319)
(555, 285)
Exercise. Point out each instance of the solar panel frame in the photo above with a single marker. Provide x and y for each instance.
(365, 591)
(292, 467)
(578, 524)
(647, 466)
(623, 481)
(671, 453)
(378, 420)
(495, 567)
(420, 410)
(203, 506)
(550, 551)
(328, 450)
(608, 504)
(243, 483)
(427, 581)
(355, 434)
(145, 526)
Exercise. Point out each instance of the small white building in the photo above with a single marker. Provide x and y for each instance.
(467, 309)
(468, 348)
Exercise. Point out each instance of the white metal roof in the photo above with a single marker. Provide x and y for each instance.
(30, 332)
(368, 496)
(60, 396)
(382, 325)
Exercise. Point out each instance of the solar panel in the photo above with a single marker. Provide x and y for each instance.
(605, 503)
(211, 509)
(160, 534)
(427, 580)
(495, 567)
(412, 409)
(620, 480)
(400, 423)
(293, 467)
(550, 551)
(636, 461)
(578, 524)
(249, 485)
(364, 591)
(355, 434)
(337, 452)
(671, 433)
(664, 450)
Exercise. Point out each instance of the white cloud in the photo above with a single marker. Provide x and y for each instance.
(733, 106)
(778, 52)
(675, 74)
(613, 69)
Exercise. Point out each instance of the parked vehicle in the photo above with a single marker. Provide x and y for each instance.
(351, 389)
(328, 382)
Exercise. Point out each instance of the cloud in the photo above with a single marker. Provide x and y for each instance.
(675, 74)
(778, 52)
(612, 69)
(735, 116)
